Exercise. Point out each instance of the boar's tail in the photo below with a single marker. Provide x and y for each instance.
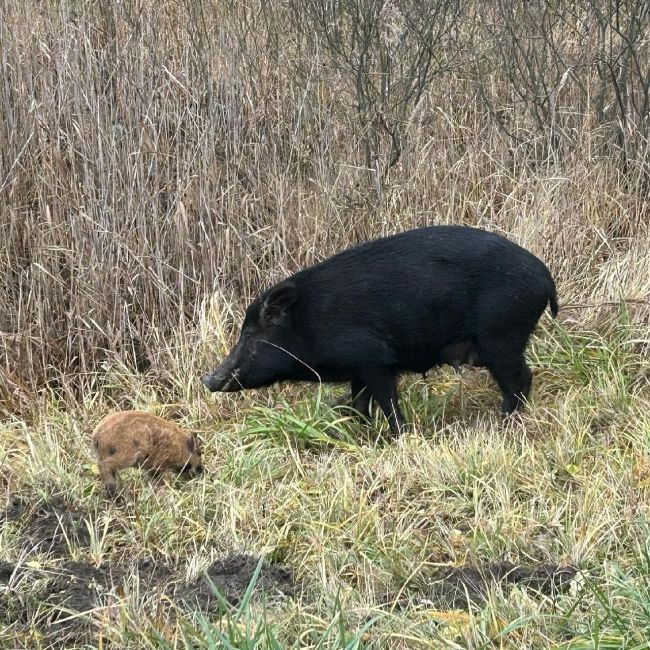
(552, 300)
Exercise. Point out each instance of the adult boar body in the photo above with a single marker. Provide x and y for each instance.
(442, 294)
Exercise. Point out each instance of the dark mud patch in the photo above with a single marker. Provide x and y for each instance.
(231, 577)
(50, 599)
(64, 603)
(461, 587)
(76, 588)
(155, 575)
(67, 602)
(49, 527)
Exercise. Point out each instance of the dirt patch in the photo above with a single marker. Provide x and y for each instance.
(53, 593)
(231, 576)
(75, 588)
(48, 526)
(155, 575)
(459, 587)
(50, 597)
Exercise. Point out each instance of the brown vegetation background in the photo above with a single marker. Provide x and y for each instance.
(160, 162)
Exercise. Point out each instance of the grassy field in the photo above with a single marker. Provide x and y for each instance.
(359, 535)
(160, 163)
(366, 543)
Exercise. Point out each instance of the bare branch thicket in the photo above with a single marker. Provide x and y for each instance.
(622, 63)
(551, 55)
(538, 49)
(388, 54)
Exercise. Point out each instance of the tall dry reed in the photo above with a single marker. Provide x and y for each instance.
(161, 162)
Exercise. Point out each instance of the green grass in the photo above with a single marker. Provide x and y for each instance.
(618, 601)
(364, 522)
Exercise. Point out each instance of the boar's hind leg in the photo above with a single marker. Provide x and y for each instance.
(505, 362)
(382, 384)
(360, 398)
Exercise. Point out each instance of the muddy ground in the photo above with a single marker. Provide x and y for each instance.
(53, 589)
(50, 591)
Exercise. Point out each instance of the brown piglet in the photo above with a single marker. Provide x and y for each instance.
(140, 439)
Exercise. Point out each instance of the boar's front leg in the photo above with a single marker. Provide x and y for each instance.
(382, 384)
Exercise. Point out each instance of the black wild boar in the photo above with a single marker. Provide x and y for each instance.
(422, 298)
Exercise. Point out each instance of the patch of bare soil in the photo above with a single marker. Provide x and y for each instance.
(75, 588)
(48, 526)
(50, 598)
(461, 587)
(231, 576)
(52, 595)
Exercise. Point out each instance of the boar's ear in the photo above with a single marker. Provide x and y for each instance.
(276, 303)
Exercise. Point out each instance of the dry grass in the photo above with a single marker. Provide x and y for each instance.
(160, 163)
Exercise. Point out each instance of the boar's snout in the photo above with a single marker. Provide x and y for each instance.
(223, 379)
(220, 383)
(210, 382)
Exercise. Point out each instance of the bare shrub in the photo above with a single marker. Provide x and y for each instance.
(387, 54)
(559, 66)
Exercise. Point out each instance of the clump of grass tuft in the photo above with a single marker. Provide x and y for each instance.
(612, 609)
(307, 424)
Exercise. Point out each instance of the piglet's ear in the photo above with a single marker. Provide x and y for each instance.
(277, 302)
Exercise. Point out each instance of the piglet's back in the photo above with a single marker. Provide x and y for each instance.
(124, 425)
(136, 433)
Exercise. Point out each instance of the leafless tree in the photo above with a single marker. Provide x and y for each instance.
(623, 68)
(389, 52)
(552, 55)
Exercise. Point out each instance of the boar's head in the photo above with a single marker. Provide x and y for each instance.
(193, 465)
(266, 350)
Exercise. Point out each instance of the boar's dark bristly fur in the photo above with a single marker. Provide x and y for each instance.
(406, 303)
